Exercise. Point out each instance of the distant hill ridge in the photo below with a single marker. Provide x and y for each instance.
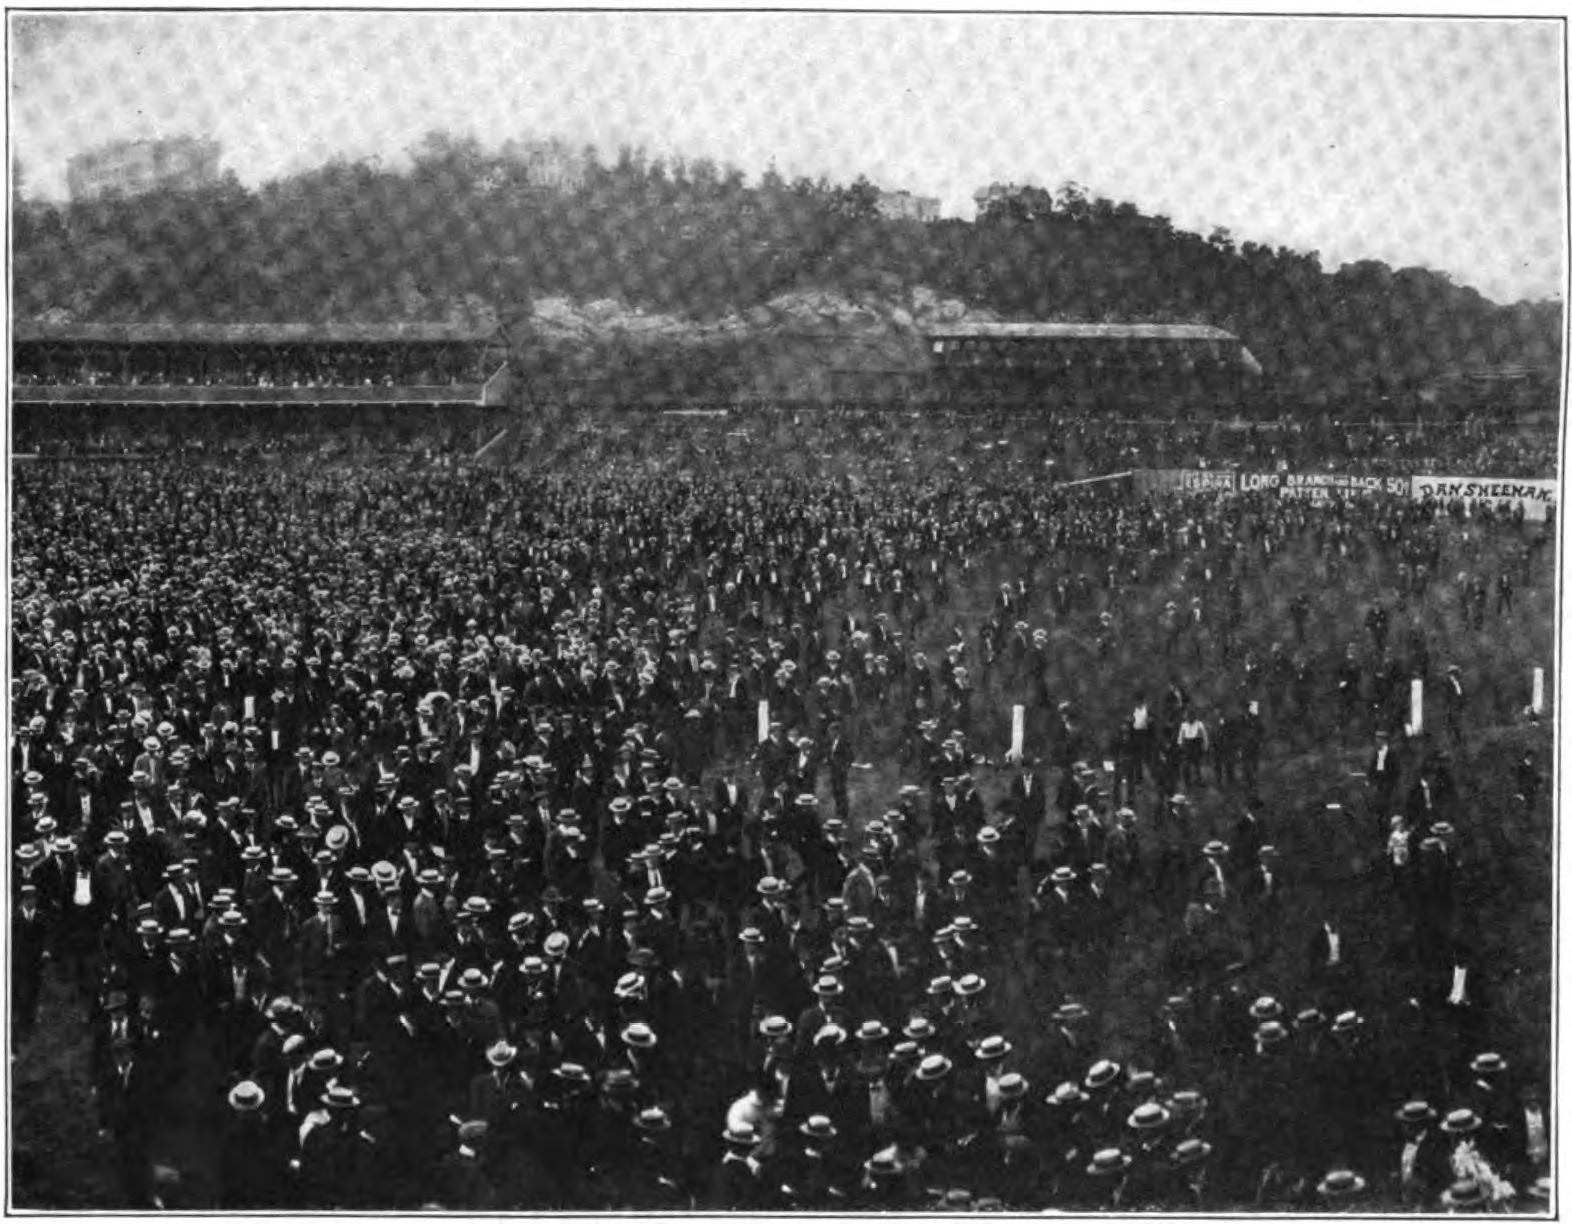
(638, 249)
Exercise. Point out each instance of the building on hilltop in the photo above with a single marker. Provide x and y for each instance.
(904, 206)
(133, 167)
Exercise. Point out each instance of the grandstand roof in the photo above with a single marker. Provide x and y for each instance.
(250, 333)
(463, 393)
(1079, 331)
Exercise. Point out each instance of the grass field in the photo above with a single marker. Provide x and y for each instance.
(1329, 857)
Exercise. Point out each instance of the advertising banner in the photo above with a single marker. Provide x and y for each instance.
(1184, 480)
(1535, 496)
(1323, 486)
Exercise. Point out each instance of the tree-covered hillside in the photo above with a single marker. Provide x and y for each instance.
(464, 234)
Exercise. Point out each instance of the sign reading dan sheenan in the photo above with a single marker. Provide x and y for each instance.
(1535, 496)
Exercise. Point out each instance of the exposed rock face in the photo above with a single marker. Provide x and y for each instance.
(804, 343)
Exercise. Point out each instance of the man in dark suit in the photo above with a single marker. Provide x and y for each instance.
(128, 1103)
(30, 936)
(1424, 1166)
(1382, 774)
(389, 927)
(499, 1096)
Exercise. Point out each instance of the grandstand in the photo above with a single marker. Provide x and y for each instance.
(1091, 365)
(119, 383)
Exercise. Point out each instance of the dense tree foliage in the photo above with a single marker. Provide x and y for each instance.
(464, 234)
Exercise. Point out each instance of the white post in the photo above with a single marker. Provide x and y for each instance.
(1539, 690)
(1017, 732)
(1416, 705)
(764, 721)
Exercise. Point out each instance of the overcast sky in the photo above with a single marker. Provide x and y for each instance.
(1429, 142)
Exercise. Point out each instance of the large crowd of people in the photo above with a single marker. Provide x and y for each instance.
(578, 836)
(1063, 447)
(382, 366)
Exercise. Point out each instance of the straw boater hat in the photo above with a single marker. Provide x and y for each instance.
(818, 1127)
(1191, 1151)
(1466, 1194)
(1266, 1008)
(640, 1036)
(1341, 1183)
(501, 1054)
(1103, 1073)
(1150, 1116)
(1108, 1162)
(1416, 1113)
(246, 1097)
(1067, 1094)
(741, 1135)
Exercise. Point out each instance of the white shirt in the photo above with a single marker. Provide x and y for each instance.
(1538, 1142)
(1410, 1155)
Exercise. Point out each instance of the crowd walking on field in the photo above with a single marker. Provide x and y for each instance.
(619, 840)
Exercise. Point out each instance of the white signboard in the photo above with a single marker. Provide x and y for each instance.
(1535, 496)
